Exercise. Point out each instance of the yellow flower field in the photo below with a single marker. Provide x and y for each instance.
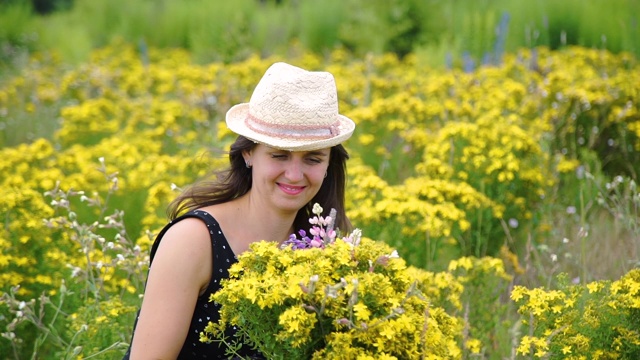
(453, 169)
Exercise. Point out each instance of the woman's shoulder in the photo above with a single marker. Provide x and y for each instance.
(186, 231)
(223, 214)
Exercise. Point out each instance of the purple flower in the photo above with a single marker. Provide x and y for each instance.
(320, 236)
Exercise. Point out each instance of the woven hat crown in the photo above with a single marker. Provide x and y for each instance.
(292, 108)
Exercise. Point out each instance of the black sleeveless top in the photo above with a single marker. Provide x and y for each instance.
(205, 311)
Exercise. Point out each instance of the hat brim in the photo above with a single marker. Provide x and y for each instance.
(236, 116)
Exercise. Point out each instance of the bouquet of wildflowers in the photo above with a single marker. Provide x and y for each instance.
(319, 296)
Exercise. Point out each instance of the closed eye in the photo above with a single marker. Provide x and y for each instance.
(279, 156)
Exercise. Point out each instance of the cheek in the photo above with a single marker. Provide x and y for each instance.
(265, 173)
(319, 172)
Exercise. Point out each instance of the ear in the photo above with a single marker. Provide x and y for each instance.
(246, 154)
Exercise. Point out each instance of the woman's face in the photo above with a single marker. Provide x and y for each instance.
(286, 180)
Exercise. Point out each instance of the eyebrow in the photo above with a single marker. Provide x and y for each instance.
(306, 153)
(317, 153)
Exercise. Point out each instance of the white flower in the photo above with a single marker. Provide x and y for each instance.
(317, 209)
(354, 237)
(76, 270)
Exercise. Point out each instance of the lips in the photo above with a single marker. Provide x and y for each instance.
(291, 189)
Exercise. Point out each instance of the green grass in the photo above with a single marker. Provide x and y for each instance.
(217, 30)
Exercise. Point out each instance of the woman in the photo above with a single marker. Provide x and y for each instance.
(288, 156)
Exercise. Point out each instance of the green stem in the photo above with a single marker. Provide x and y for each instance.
(583, 239)
(114, 345)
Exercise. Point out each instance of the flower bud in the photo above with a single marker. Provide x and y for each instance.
(304, 288)
(77, 350)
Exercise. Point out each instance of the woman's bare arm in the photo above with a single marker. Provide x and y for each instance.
(181, 269)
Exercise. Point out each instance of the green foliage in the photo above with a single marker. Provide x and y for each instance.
(16, 23)
(17, 33)
(470, 32)
(101, 328)
(321, 22)
(597, 319)
(487, 316)
(388, 20)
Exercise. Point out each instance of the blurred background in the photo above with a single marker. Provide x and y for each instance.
(444, 32)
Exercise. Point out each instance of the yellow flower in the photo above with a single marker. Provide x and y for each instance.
(388, 332)
(474, 346)
(594, 287)
(361, 311)
(518, 292)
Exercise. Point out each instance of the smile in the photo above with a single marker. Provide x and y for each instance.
(291, 189)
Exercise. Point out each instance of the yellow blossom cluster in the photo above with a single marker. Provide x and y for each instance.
(340, 302)
(596, 320)
(503, 135)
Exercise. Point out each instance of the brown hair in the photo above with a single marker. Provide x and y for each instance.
(235, 181)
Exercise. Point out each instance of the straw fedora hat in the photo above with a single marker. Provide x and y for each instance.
(292, 109)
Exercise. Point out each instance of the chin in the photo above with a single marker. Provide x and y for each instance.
(291, 205)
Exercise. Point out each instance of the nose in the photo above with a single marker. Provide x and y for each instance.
(294, 171)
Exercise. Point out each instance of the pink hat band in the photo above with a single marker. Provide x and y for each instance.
(301, 132)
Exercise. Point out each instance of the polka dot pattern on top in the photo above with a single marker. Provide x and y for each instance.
(205, 311)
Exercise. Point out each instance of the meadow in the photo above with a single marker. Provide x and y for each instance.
(439, 32)
(512, 185)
